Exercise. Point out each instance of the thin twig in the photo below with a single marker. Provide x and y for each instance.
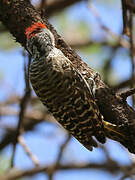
(57, 163)
(127, 93)
(108, 64)
(132, 52)
(23, 106)
(62, 148)
(123, 84)
(126, 176)
(123, 42)
(28, 151)
(125, 18)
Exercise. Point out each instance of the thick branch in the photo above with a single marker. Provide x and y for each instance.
(109, 166)
(18, 15)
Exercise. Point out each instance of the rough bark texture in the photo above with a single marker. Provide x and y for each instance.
(18, 15)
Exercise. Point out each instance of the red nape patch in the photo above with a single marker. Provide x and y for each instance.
(34, 27)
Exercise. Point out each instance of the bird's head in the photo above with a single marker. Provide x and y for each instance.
(40, 40)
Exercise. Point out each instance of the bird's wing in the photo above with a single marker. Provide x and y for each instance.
(81, 109)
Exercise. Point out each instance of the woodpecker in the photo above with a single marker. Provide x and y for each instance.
(64, 90)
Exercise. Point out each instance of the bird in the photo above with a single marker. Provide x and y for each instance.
(62, 88)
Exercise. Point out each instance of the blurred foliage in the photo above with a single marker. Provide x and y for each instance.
(4, 165)
(92, 49)
(7, 42)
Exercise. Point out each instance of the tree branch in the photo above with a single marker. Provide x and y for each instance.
(127, 93)
(109, 166)
(28, 151)
(53, 6)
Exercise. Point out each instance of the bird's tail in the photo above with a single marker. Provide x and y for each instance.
(118, 133)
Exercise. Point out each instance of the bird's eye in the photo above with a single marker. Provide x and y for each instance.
(38, 29)
(33, 33)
